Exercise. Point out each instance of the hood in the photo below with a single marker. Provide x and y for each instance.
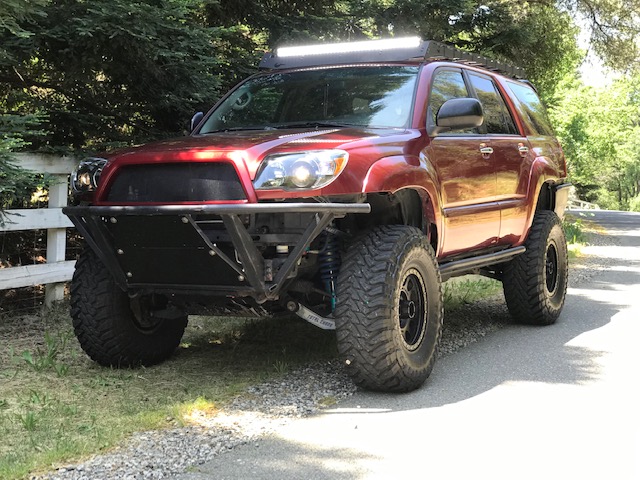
(246, 150)
(253, 145)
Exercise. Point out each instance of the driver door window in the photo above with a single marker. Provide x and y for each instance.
(447, 84)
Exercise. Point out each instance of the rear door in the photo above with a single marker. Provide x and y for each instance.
(508, 153)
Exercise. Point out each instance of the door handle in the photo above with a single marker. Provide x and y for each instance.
(485, 150)
(523, 149)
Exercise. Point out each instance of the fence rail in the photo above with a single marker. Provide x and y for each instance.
(56, 271)
(580, 205)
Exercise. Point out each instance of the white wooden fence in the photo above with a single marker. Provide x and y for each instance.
(56, 271)
(582, 205)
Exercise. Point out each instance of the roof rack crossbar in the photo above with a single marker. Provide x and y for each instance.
(412, 50)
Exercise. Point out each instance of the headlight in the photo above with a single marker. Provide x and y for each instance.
(300, 170)
(85, 177)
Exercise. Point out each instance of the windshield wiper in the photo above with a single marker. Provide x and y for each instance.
(232, 129)
(312, 124)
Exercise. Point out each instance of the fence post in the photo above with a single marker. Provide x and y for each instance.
(56, 238)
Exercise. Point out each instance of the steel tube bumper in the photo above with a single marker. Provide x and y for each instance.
(104, 229)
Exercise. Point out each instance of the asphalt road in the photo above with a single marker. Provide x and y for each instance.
(558, 402)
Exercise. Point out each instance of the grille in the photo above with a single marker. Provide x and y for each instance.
(176, 182)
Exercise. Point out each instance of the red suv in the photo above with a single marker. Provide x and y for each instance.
(344, 183)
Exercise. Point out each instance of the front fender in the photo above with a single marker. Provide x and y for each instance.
(394, 173)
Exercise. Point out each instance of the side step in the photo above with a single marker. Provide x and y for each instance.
(466, 265)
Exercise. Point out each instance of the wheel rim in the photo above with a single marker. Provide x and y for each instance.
(551, 268)
(412, 309)
(142, 318)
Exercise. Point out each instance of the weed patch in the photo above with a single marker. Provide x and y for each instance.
(576, 229)
(468, 289)
(56, 405)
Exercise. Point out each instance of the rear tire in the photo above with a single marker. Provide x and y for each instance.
(535, 283)
(106, 326)
(389, 309)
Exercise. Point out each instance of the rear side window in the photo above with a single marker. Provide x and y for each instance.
(534, 113)
(497, 119)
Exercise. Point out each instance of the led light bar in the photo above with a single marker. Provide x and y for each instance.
(404, 50)
(349, 47)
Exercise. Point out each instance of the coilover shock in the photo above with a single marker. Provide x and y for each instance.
(329, 260)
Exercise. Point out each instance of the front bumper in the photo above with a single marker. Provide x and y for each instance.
(170, 249)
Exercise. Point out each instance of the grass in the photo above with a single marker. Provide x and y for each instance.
(56, 405)
(468, 289)
(576, 229)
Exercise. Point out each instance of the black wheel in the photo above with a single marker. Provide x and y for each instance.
(112, 329)
(389, 309)
(535, 283)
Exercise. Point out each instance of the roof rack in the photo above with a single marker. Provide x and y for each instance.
(410, 49)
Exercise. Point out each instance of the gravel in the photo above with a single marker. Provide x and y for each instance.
(263, 407)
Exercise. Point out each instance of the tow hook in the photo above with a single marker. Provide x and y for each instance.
(310, 316)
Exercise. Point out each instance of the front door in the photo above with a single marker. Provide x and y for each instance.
(466, 173)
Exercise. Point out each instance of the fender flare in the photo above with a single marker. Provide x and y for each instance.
(541, 173)
(394, 173)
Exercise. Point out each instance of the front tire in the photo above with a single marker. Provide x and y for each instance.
(389, 309)
(535, 283)
(106, 326)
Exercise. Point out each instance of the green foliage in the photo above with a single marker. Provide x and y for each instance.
(13, 13)
(465, 290)
(614, 27)
(16, 184)
(574, 230)
(600, 132)
(634, 204)
(111, 72)
(48, 358)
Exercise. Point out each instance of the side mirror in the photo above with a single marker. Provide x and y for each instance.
(195, 120)
(457, 114)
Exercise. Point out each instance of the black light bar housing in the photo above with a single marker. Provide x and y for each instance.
(424, 51)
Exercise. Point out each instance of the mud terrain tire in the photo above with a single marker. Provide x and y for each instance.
(389, 309)
(535, 283)
(106, 326)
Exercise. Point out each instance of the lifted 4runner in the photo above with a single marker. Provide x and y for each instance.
(344, 182)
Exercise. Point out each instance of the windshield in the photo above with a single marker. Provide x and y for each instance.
(372, 96)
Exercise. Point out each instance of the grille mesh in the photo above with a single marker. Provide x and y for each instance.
(176, 182)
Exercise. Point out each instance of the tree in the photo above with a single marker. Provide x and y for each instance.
(16, 184)
(615, 28)
(600, 132)
(112, 71)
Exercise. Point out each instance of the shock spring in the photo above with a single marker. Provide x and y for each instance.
(329, 260)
